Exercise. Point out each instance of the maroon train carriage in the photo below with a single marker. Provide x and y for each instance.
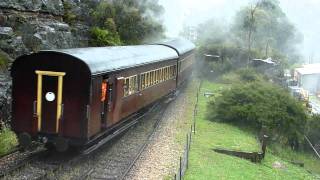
(185, 52)
(70, 97)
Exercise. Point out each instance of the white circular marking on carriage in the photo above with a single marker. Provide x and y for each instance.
(50, 96)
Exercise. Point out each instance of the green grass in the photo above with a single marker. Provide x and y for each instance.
(314, 98)
(204, 163)
(185, 127)
(8, 141)
(311, 162)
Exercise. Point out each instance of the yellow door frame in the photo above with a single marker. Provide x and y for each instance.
(39, 95)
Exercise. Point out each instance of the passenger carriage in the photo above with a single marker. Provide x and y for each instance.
(72, 96)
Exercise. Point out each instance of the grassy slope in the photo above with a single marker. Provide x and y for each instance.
(204, 163)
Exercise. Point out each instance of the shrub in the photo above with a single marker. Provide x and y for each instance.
(313, 128)
(8, 141)
(243, 75)
(4, 60)
(249, 75)
(261, 104)
(102, 37)
(68, 15)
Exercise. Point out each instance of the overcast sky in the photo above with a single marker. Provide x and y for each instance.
(304, 14)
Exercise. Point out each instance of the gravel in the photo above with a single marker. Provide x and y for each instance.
(113, 159)
(160, 159)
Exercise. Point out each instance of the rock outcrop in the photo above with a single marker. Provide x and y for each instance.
(44, 6)
(24, 32)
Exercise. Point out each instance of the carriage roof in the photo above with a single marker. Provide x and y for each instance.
(107, 59)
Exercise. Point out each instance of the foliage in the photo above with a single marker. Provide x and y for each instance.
(249, 75)
(242, 75)
(313, 128)
(4, 60)
(100, 37)
(272, 33)
(204, 163)
(8, 140)
(259, 30)
(136, 22)
(102, 13)
(68, 15)
(261, 104)
(127, 22)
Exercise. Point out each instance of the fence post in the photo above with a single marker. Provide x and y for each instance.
(191, 132)
(187, 149)
(180, 169)
(264, 145)
(194, 127)
(190, 140)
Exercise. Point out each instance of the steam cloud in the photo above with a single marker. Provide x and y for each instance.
(303, 14)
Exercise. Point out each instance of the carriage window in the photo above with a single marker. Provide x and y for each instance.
(146, 80)
(151, 78)
(130, 85)
(167, 73)
(103, 91)
(163, 74)
(171, 72)
(142, 81)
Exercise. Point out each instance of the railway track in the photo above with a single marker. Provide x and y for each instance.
(15, 160)
(119, 157)
(124, 154)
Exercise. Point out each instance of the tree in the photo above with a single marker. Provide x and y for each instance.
(116, 22)
(266, 29)
(136, 22)
(260, 104)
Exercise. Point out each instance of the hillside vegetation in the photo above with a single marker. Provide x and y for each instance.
(204, 163)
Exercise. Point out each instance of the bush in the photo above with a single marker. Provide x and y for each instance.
(313, 128)
(4, 60)
(261, 104)
(243, 75)
(249, 75)
(101, 37)
(8, 141)
(68, 15)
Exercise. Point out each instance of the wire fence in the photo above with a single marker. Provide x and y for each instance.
(315, 147)
(184, 159)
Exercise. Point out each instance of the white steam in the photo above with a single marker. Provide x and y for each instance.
(303, 14)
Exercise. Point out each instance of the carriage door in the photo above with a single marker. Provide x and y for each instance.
(107, 103)
(49, 101)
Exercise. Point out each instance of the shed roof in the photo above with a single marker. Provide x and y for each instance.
(180, 45)
(107, 59)
(308, 70)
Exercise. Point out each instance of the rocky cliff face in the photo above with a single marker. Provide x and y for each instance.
(27, 26)
(31, 25)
